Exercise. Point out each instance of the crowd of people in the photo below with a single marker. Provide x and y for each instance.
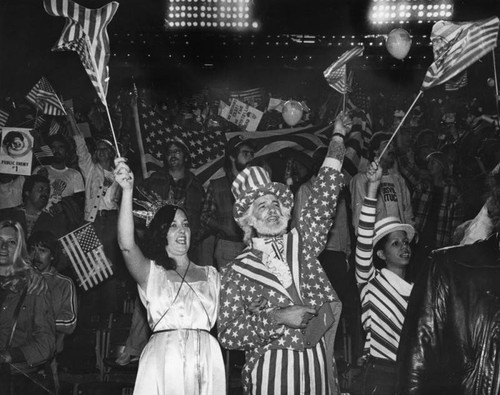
(264, 265)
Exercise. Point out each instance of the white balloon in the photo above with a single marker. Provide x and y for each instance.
(398, 43)
(292, 112)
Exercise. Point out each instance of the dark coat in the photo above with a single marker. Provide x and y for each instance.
(451, 337)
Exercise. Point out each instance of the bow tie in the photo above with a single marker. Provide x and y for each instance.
(278, 246)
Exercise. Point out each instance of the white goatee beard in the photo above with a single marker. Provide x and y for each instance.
(264, 229)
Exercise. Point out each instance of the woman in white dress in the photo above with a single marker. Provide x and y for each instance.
(181, 299)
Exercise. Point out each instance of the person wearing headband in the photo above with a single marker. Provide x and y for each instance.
(181, 299)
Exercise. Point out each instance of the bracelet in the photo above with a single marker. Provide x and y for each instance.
(339, 135)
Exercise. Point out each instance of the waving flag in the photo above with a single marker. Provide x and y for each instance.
(336, 74)
(306, 140)
(206, 147)
(458, 45)
(89, 24)
(4, 117)
(82, 47)
(86, 254)
(43, 97)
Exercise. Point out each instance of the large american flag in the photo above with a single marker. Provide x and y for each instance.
(206, 147)
(86, 254)
(90, 24)
(306, 140)
(82, 47)
(457, 45)
(43, 97)
(336, 74)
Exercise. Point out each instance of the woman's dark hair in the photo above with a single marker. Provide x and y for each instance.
(155, 242)
(378, 262)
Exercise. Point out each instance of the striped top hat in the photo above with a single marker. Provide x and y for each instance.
(254, 182)
(389, 225)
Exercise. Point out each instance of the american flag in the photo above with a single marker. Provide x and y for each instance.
(306, 140)
(458, 82)
(43, 97)
(43, 154)
(82, 47)
(253, 97)
(206, 146)
(4, 117)
(336, 74)
(86, 254)
(457, 45)
(91, 25)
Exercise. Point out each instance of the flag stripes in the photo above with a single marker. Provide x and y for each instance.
(43, 97)
(336, 74)
(89, 23)
(87, 256)
(458, 45)
(82, 47)
(456, 83)
(4, 117)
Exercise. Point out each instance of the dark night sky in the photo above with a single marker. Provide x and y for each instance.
(27, 33)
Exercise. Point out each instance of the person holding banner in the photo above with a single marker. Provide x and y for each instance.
(27, 324)
(181, 299)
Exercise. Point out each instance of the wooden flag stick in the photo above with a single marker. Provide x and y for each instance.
(401, 124)
(496, 82)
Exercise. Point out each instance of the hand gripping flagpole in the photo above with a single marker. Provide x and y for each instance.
(401, 124)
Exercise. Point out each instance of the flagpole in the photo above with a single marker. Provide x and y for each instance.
(112, 129)
(343, 103)
(496, 82)
(401, 124)
(140, 145)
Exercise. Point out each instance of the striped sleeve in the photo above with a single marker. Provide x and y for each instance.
(364, 244)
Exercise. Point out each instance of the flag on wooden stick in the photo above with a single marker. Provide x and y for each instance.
(336, 74)
(43, 97)
(91, 24)
(87, 257)
(457, 45)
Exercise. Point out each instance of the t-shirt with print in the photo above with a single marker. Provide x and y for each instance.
(389, 198)
(63, 183)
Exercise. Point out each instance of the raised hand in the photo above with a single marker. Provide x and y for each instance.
(123, 175)
(374, 172)
(343, 124)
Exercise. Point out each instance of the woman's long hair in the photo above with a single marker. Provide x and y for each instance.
(155, 243)
(21, 258)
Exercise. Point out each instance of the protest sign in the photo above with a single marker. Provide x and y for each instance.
(16, 152)
(243, 115)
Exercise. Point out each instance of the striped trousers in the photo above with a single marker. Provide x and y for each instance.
(289, 372)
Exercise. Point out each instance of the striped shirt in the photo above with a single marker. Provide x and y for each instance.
(384, 295)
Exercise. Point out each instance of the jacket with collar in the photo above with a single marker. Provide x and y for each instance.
(451, 337)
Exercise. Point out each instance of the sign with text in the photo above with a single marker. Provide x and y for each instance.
(243, 115)
(16, 152)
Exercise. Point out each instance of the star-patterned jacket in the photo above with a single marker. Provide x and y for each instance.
(247, 279)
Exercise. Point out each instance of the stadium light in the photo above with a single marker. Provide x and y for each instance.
(384, 12)
(218, 14)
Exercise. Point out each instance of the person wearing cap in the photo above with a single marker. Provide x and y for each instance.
(45, 251)
(217, 213)
(102, 196)
(288, 337)
(393, 199)
(382, 256)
